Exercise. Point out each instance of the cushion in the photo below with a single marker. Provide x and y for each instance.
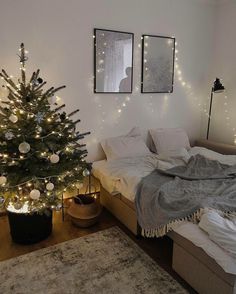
(169, 139)
(130, 145)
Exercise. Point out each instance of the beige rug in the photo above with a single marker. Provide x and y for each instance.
(104, 262)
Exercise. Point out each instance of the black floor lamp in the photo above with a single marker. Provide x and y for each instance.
(217, 88)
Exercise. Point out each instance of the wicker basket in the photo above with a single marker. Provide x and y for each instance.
(84, 210)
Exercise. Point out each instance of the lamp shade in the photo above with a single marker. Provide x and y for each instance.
(218, 87)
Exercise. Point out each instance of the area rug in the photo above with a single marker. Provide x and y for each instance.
(104, 262)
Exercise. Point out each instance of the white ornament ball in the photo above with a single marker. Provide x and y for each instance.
(52, 100)
(59, 100)
(13, 118)
(54, 158)
(35, 194)
(79, 185)
(50, 186)
(3, 180)
(24, 147)
(86, 172)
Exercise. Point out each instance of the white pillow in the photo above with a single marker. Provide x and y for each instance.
(130, 145)
(169, 139)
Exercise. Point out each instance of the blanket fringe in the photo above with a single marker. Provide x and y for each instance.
(194, 218)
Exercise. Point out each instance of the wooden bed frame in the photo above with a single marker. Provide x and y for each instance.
(189, 261)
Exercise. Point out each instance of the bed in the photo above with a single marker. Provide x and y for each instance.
(199, 269)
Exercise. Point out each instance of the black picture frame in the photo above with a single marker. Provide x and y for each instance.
(143, 59)
(95, 62)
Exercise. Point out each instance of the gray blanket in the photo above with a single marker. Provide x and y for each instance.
(165, 198)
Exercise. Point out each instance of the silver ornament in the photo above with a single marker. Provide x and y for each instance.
(86, 172)
(24, 147)
(17, 205)
(9, 135)
(39, 117)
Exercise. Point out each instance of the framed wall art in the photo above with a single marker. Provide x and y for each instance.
(158, 55)
(113, 61)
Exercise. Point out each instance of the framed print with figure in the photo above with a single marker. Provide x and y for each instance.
(113, 61)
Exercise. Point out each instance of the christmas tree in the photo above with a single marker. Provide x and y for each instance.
(40, 153)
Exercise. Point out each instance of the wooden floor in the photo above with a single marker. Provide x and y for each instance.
(159, 249)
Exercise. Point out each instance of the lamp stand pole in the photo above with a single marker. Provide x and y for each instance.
(209, 115)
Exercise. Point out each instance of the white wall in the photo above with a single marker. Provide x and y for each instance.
(58, 34)
(224, 66)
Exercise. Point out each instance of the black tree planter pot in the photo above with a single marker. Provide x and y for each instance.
(30, 228)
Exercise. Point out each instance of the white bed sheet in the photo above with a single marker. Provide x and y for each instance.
(198, 237)
(123, 175)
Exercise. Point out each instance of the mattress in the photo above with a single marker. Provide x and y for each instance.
(199, 238)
